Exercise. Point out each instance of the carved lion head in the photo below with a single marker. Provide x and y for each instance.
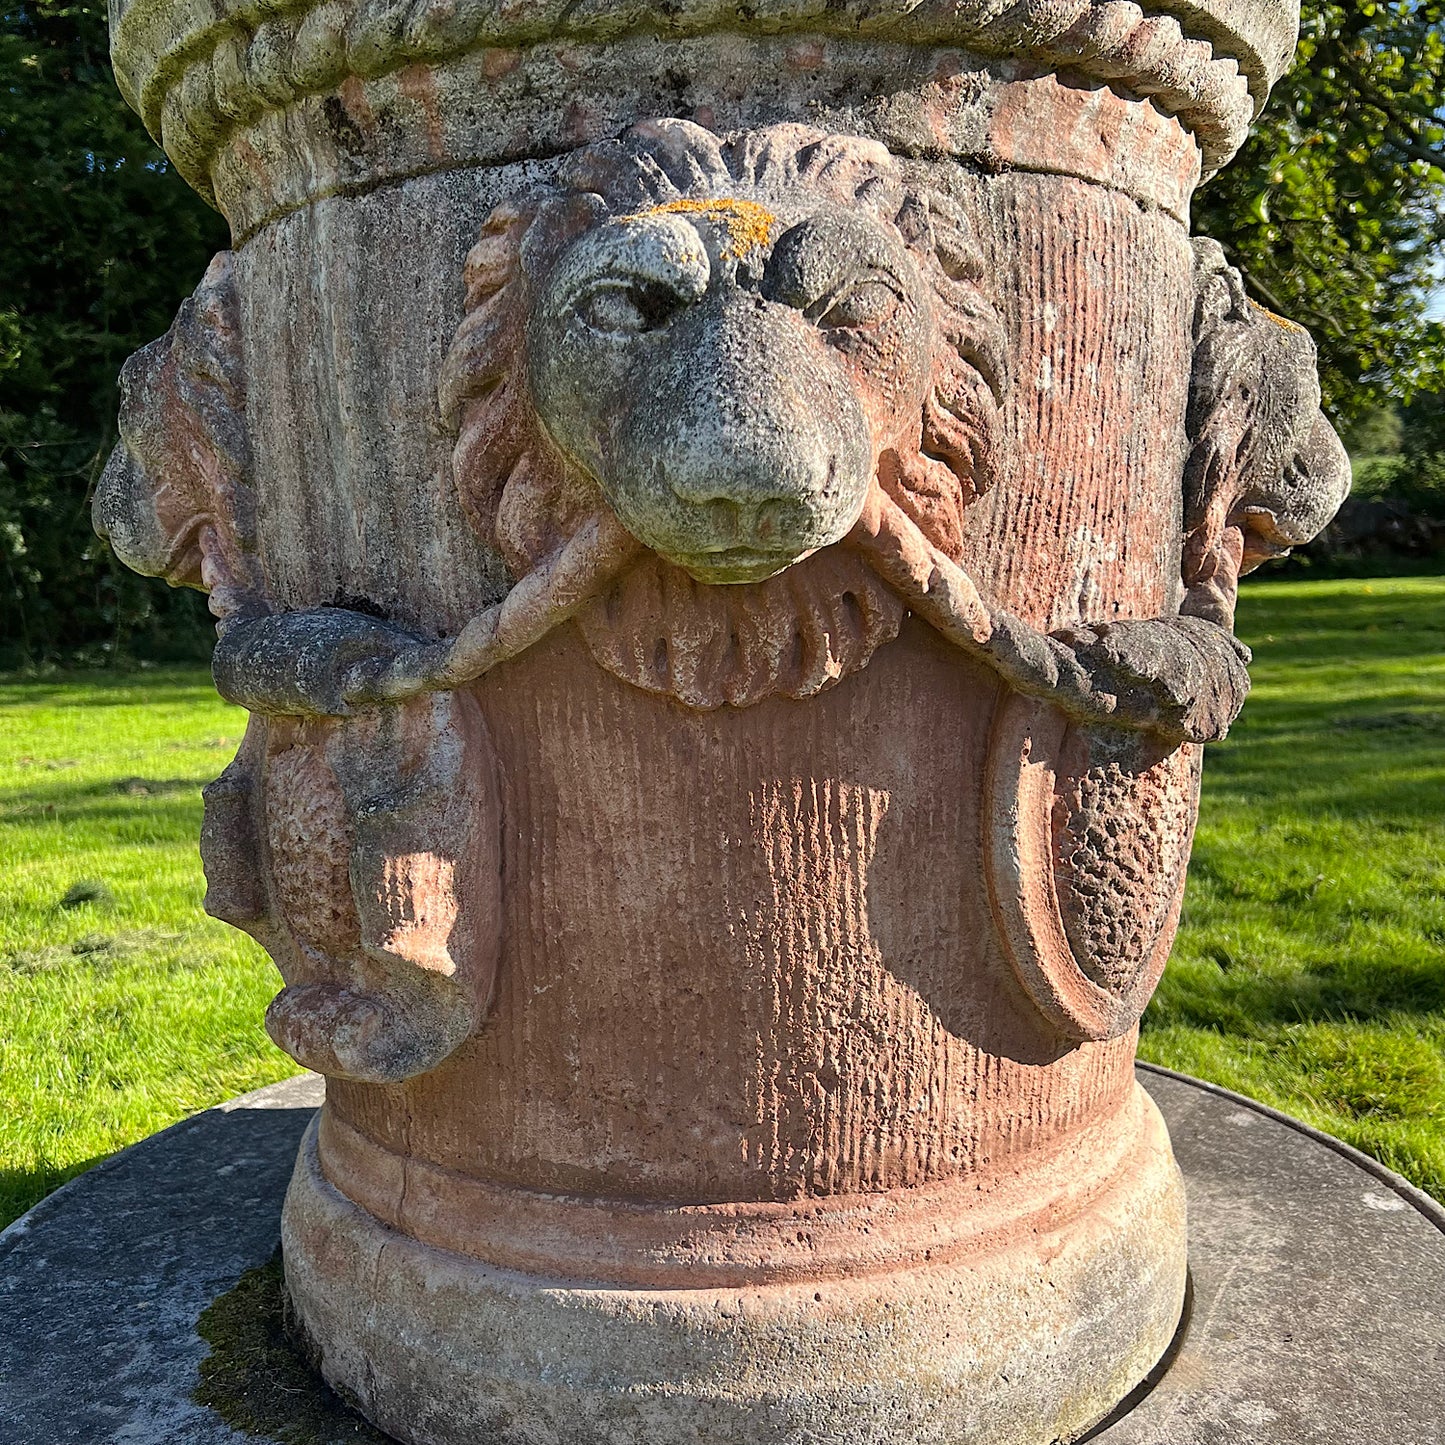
(175, 500)
(728, 342)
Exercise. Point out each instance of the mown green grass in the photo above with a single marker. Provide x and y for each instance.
(120, 1014)
(1310, 970)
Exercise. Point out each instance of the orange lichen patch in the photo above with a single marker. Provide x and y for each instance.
(1283, 322)
(747, 223)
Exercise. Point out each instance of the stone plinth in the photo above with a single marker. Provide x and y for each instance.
(1318, 1285)
(728, 526)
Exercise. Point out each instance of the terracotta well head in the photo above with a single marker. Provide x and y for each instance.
(728, 526)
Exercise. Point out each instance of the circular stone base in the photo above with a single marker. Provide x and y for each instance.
(439, 1349)
(1319, 1284)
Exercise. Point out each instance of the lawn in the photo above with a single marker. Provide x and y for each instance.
(1310, 971)
(122, 1006)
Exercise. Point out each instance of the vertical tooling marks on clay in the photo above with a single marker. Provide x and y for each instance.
(607, 1026)
(708, 957)
(355, 487)
(1095, 296)
(801, 945)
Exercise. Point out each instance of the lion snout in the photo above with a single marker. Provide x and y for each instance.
(720, 524)
(737, 508)
(750, 450)
(776, 496)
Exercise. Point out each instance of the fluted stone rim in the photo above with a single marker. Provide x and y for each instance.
(196, 70)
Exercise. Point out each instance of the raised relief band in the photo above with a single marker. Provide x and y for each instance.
(401, 89)
(748, 1245)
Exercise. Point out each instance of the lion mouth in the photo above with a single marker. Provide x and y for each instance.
(732, 566)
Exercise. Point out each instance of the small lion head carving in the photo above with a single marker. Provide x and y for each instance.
(727, 342)
(1266, 471)
(176, 500)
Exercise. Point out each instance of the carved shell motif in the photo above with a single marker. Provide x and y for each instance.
(1090, 834)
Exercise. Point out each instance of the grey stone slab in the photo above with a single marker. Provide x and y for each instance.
(1318, 1312)
(102, 1282)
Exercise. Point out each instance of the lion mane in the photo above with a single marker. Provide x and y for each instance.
(655, 626)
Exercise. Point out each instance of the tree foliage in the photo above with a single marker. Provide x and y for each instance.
(1334, 209)
(99, 241)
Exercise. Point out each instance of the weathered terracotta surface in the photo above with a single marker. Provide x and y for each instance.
(732, 607)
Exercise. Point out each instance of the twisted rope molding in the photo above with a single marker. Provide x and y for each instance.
(196, 79)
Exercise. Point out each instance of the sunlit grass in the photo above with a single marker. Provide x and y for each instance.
(1310, 971)
(122, 1006)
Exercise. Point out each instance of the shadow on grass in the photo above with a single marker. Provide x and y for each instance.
(1256, 1003)
(1313, 621)
(22, 1189)
(172, 805)
(120, 687)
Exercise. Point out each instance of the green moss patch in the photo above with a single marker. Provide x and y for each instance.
(258, 1382)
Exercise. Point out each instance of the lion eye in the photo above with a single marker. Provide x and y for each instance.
(866, 306)
(628, 308)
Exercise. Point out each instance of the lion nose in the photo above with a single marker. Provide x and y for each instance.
(737, 516)
(759, 442)
(750, 440)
